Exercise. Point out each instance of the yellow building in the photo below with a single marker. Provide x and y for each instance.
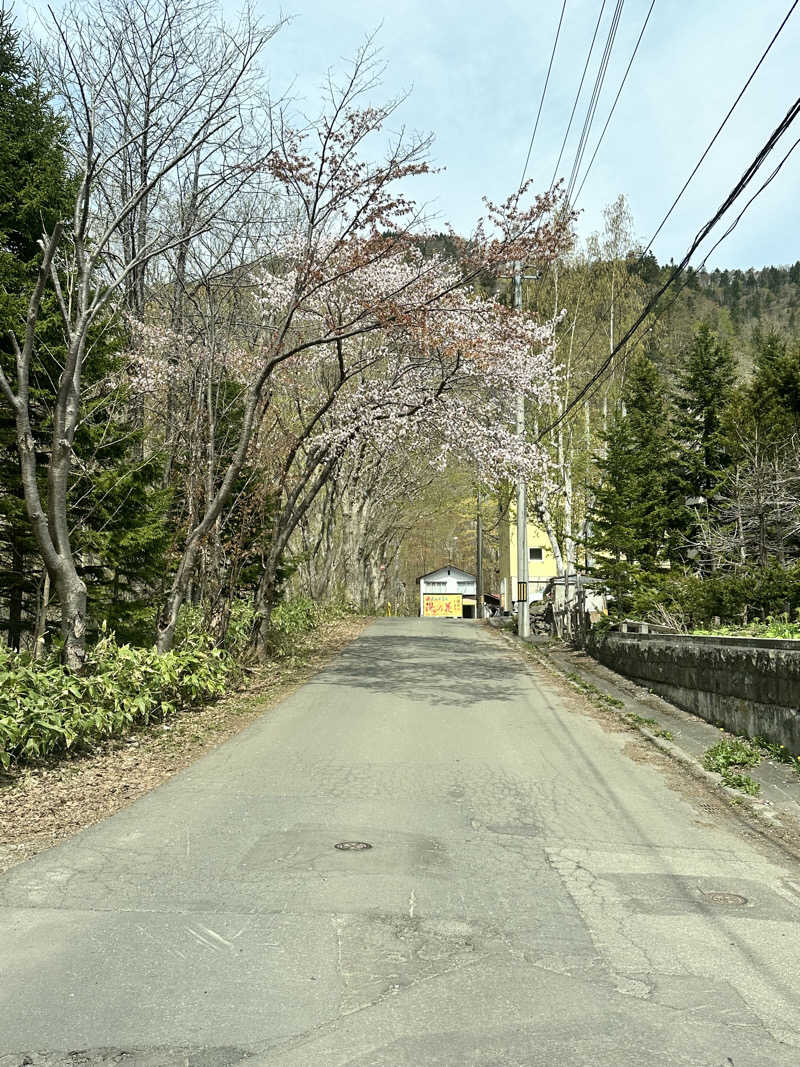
(541, 562)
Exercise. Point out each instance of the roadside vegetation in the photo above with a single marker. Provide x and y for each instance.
(44, 800)
(779, 627)
(48, 712)
(731, 756)
(232, 360)
(676, 479)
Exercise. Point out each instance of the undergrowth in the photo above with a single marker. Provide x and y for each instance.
(728, 756)
(593, 692)
(774, 626)
(731, 752)
(651, 724)
(743, 782)
(46, 712)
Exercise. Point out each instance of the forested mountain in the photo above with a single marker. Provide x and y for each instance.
(734, 302)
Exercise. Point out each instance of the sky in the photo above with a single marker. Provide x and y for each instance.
(475, 71)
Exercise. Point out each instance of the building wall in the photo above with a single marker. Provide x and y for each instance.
(539, 571)
(447, 580)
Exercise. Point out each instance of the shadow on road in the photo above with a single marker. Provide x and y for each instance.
(442, 670)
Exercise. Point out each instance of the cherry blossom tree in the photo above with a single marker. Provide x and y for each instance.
(347, 266)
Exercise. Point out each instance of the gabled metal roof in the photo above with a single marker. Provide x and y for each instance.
(449, 567)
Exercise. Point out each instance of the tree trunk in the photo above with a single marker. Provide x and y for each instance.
(41, 617)
(71, 590)
(15, 594)
(550, 530)
(265, 599)
(168, 617)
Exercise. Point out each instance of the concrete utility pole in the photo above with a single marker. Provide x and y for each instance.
(479, 561)
(523, 612)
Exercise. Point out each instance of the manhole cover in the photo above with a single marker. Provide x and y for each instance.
(725, 898)
(352, 846)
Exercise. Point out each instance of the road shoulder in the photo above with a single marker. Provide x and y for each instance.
(683, 738)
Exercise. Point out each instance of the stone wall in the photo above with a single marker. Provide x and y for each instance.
(748, 685)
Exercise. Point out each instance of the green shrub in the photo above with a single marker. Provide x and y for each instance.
(731, 752)
(240, 629)
(291, 621)
(339, 607)
(770, 595)
(45, 711)
(743, 782)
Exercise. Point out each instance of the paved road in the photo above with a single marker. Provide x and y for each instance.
(532, 896)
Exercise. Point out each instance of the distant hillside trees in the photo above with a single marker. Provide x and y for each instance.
(697, 494)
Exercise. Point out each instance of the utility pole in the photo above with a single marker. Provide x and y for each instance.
(523, 613)
(479, 561)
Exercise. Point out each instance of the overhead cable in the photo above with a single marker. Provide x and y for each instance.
(578, 94)
(614, 105)
(544, 92)
(722, 125)
(595, 97)
(742, 184)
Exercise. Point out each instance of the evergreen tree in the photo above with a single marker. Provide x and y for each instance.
(705, 380)
(119, 506)
(35, 190)
(633, 506)
(118, 511)
(772, 398)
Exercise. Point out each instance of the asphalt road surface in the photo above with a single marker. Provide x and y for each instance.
(532, 895)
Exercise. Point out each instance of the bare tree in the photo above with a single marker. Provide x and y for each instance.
(154, 90)
(754, 516)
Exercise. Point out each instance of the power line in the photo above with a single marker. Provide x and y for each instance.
(725, 120)
(743, 182)
(701, 266)
(578, 94)
(721, 126)
(544, 91)
(614, 105)
(595, 98)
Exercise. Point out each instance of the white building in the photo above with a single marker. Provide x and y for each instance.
(447, 593)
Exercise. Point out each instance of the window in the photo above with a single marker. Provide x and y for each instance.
(431, 586)
(536, 554)
(465, 585)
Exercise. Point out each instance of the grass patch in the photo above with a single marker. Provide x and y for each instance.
(731, 752)
(774, 626)
(743, 782)
(593, 692)
(776, 752)
(640, 720)
(728, 757)
(651, 724)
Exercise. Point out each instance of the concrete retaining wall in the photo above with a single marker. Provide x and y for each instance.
(747, 685)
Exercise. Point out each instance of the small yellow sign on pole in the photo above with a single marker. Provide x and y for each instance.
(522, 592)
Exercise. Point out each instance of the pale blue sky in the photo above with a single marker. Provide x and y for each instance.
(476, 70)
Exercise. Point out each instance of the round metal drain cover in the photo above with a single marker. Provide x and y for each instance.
(352, 846)
(725, 898)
